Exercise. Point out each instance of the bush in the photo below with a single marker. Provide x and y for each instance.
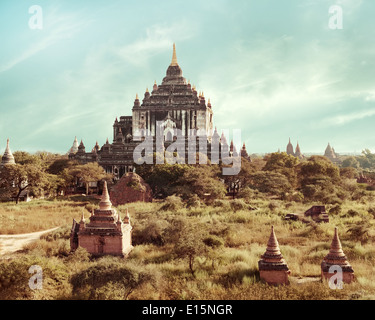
(247, 194)
(213, 241)
(238, 204)
(218, 203)
(193, 201)
(351, 213)
(172, 203)
(61, 233)
(336, 210)
(15, 277)
(109, 280)
(152, 233)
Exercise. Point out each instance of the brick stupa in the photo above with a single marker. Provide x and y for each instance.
(336, 257)
(272, 267)
(105, 234)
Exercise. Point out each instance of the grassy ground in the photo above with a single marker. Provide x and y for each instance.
(226, 271)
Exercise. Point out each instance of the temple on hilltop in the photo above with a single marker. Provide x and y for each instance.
(105, 233)
(290, 150)
(172, 108)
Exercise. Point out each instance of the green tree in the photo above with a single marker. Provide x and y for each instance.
(351, 162)
(284, 164)
(203, 181)
(90, 172)
(17, 178)
(191, 245)
(273, 183)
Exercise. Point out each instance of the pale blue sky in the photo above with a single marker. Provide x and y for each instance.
(272, 68)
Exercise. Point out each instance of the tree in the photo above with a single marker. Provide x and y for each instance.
(90, 172)
(351, 162)
(162, 178)
(360, 231)
(17, 178)
(190, 245)
(271, 182)
(203, 181)
(283, 163)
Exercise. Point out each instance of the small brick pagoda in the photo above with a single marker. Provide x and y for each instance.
(336, 257)
(105, 234)
(272, 267)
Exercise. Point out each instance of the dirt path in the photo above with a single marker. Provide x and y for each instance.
(14, 242)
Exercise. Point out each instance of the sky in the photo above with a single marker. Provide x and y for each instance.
(273, 69)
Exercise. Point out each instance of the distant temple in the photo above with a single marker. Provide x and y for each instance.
(174, 107)
(290, 150)
(331, 154)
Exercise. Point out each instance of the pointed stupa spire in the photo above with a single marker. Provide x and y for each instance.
(335, 251)
(337, 258)
(105, 203)
(8, 157)
(272, 267)
(272, 253)
(174, 56)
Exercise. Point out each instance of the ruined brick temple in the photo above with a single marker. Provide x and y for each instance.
(171, 107)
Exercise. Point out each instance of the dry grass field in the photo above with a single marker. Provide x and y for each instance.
(231, 237)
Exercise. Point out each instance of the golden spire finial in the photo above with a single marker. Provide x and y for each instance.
(136, 97)
(174, 57)
(146, 89)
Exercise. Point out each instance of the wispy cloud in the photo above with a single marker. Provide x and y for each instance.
(158, 38)
(344, 119)
(56, 27)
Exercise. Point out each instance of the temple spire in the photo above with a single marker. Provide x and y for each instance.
(174, 57)
(105, 203)
(8, 157)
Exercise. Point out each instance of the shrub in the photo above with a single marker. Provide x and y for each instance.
(336, 210)
(193, 201)
(351, 213)
(61, 233)
(218, 203)
(109, 280)
(153, 233)
(213, 241)
(172, 203)
(238, 204)
(15, 277)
